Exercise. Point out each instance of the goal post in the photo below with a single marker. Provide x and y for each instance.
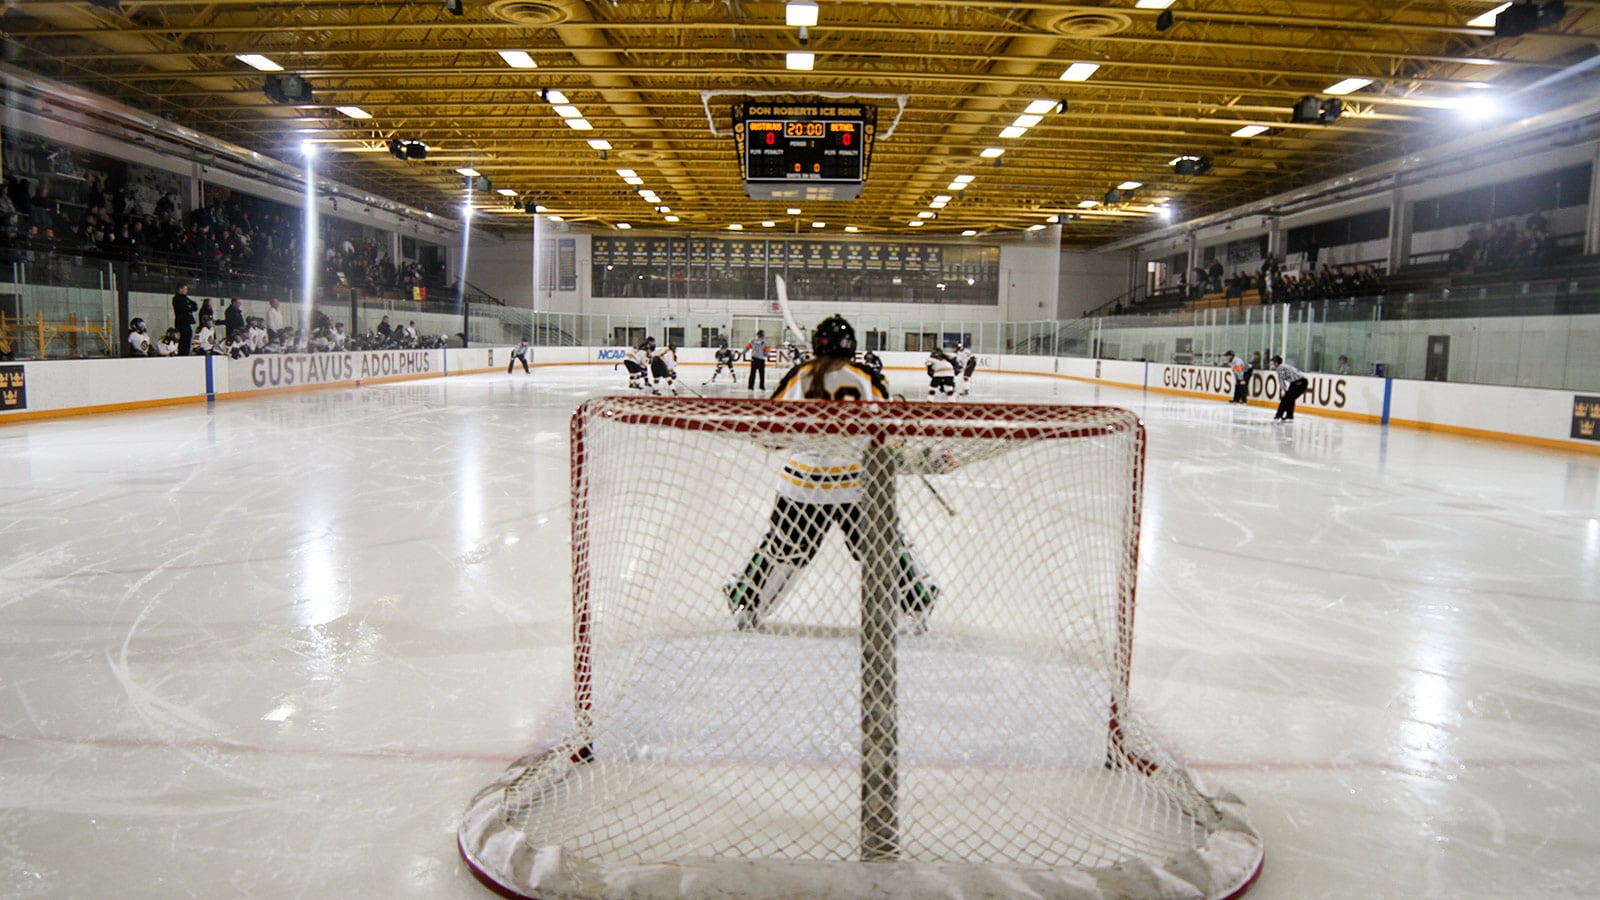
(874, 649)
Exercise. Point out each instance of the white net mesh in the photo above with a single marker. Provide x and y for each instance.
(922, 688)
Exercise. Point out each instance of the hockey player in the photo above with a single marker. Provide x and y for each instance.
(637, 362)
(664, 367)
(941, 374)
(817, 491)
(965, 364)
(725, 358)
(138, 338)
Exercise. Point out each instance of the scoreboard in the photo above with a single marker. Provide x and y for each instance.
(804, 150)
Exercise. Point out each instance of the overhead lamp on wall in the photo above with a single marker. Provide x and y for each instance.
(455, 7)
(1191, 165)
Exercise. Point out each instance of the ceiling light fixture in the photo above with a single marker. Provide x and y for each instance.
(800, 60)
(518, 59)
(800, 13)
(1486, 20)
(257, 61)
(1249, 131)
(1347, 86)
(354, 112)
(992, 152)
(1079, 71)
(1040, 107)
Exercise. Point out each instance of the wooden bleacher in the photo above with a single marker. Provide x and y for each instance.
(1220, 300)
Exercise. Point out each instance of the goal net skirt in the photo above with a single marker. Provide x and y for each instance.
(923, 693)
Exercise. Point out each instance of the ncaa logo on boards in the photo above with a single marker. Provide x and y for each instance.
(612, 353)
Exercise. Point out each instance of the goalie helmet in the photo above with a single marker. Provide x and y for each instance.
(834, 337)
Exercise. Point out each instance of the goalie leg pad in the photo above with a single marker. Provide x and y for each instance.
(796, 533)
(920, 591)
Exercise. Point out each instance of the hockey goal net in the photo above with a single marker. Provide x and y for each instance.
(855, 649)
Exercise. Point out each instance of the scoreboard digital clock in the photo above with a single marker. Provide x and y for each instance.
(804, 151)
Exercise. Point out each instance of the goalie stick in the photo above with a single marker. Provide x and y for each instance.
(928, 484)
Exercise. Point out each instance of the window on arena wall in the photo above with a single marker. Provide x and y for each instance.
(1513, 199)
(1357, 229)
(876, 271)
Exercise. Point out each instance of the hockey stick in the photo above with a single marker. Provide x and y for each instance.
(928, 484)
(783, 307)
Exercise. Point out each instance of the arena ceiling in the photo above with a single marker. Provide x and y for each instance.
(657, 81)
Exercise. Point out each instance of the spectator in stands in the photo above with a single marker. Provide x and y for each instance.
(1467, 256)
(1215, 273)
(233, 318)
(183, 310)
(41, 210)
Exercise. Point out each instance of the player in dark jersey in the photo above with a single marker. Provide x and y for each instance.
(725, 359)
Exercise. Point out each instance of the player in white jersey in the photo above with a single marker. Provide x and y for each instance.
(138, 339)
(637, 362)
(818, 490)
(964, 363)
(941, 374)
(664, 367)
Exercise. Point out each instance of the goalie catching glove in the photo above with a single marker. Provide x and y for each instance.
(929, 461)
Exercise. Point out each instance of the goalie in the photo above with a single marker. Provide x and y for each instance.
(818, 490)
